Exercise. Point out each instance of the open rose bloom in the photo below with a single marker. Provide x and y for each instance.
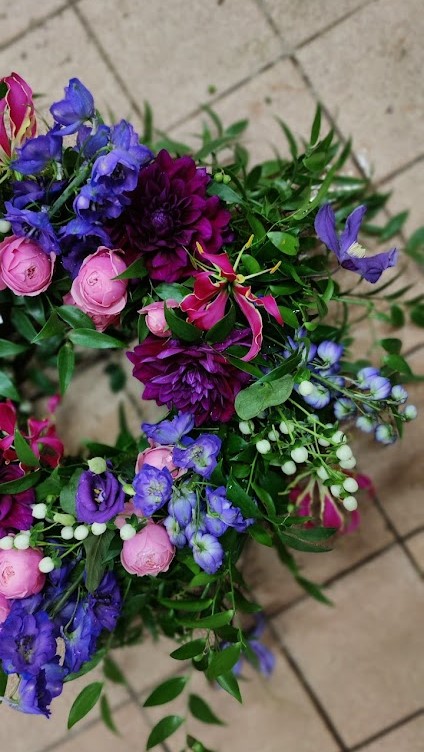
(96, 291)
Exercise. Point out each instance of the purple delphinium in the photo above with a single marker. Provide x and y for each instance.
(153, 488)
(99, 497)
(37, 152)
(207, 552)
(221, 509)
(327, 357)
(170, 211)
(74, 109)
(344, 408)
(78, 239)
(199, 455)
(106, 602)
(35, 693)
(350, 253)
(176, 535)
(90, 141)
(80, 638)
(33, 224)
(181, 505)
(169, 431)
(195, 379)
(27, 641)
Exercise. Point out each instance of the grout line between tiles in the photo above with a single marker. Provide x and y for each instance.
(36, 24)
(393, 726)
(400, 540)
(400, 170)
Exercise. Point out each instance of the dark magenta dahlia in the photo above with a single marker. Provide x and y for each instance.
(15, 508)
(169, 212)
(195, 379)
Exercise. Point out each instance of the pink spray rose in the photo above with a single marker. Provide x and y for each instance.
(155, 317)
(96, 291)
(148, 552)
(17, 116)
(4, 609)
(160, 457)
(24, 267)
(19, 573)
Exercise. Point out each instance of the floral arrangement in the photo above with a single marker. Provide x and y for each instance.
(231, 287)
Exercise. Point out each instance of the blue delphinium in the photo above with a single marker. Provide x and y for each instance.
(169, 431)
(35, 693)
(76, 107)
(27, 641)
(33, 224)
(181, 505)
(80, 637)
(207, 552)
(198, 454)
(153, 488)
(37, 152)
(106, 602)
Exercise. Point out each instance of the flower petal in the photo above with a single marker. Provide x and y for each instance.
(351, 230)
(254, 319)
(371, 267)
(325, 228)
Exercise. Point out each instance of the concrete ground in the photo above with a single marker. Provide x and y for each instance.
(350, 677)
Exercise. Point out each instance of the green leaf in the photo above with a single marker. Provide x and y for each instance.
(175, 291)
(112, 671)
(106, 715)
(300, 544)
(67, 494)
(88, 666)
(417, 314)
(223, 661)
(194, 606)
(3, 681)
(284, 242)
(230, 684)
(394, 226)
(397, 316)
(391, 345)
(415, 246)
(289, 316)
(225, 193)
(397, 363)
(209, 622)
(201, 710)
(189, 650)
(182, 329)
(316, 126)
(195, 745)
(290, 138)
(222, 328)
(313, 590)
(24, 451)
(260, 535)
(94, 340)
(241, 499)
(20, 484)
(76, 318)
(7, 387)
(167, 691)
(65, 366)
(23, 324)
(85, 702)
(262, 394)
(136, 270)
(11, 349)
(165, 728)
(96, 548)
(51, 328)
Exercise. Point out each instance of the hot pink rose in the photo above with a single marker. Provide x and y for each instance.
(24, 267)
(4, 609)
(96, 291)
(155, 317)
(17, 116)
(19, 573)
(148, 552)
(160, 457)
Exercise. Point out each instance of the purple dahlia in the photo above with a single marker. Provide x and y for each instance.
(195, 379)
(169, 213)
(15, 508)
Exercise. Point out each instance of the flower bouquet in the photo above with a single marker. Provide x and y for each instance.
(231, 288)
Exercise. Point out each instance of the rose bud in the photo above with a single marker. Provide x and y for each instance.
(160, 457)
(148, 552)
(17, 116)
(19, 573)
(24, 267)
(4, 609)
(96, 291)
(155, 317)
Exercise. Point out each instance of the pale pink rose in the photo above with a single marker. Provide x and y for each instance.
(148, 552)
(155, 317)
(24, 267)
(160, 457)
(96, 291)
(19, 573)
(129, 510)
(4, 609)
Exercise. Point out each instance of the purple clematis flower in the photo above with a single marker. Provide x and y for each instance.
(200, 455)
(169, 431)
(74, 109)
(349, 252)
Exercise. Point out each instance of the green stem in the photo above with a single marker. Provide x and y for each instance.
(75, 183)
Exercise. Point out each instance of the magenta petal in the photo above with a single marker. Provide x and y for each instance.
(254, 320)
(271, 307)
(331, 517)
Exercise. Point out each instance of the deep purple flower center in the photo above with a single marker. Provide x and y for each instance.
(161, 221)
(26, 647)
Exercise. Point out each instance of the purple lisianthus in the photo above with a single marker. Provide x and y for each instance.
(27, 641)
(169, 431)
(350, 253)
(170, 211)
(153, 488)
(34, 225)
(74, 109)
(106, 602)
(207, 552)
(99, 497)
(80, 638)
(195, 379)
(37, 152)
(15, 508)
(199, 455)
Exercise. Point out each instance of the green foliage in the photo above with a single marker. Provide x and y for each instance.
(86, 700)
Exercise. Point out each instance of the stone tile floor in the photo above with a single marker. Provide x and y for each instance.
(349, 677)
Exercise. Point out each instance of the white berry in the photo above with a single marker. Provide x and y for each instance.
(46, 565)
(289, 468)
(323, 442)
(98, 528)
(39, 511)
(67, 532)
(299, 454)
(286, 426)
(263, 446)
(4, 226)
(273, 435)
(306, 388)
(350, 485)
(245, 427)
(6, 543)
(81, 532)
(348, 464)
(335, 490)
(322, 473)
(21, 541)
(338, 437)
(350, 503)
(127, 532)
(344, 452)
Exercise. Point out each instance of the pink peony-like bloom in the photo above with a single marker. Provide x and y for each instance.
(24, 267)
(96, 291)
(160, 457)
(155, 317)
(17, 115)
(148, 552)
(4, 609)
(19, 573)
